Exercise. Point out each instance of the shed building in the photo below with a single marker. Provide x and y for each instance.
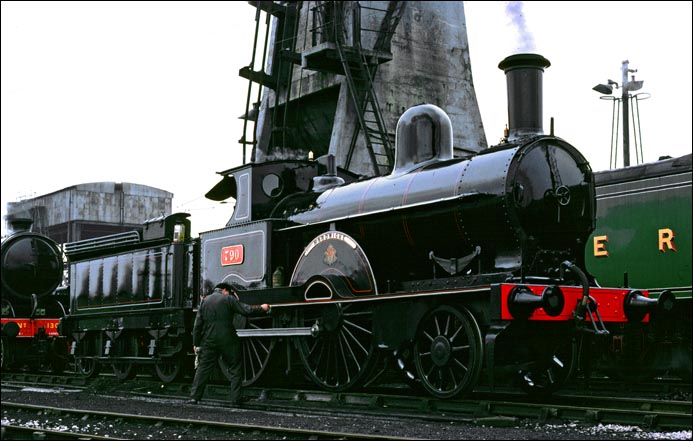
(85, 211)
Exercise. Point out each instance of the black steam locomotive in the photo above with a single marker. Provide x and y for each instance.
(453, 265)
(32, 302)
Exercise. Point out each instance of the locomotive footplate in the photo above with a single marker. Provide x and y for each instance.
(312, 331)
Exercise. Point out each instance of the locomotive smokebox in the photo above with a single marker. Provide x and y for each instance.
(31, 264)
(524, 75)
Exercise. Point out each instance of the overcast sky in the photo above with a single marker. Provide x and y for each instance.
(149, 93)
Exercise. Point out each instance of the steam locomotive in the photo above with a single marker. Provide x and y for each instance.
(32, 302)
(456, 267)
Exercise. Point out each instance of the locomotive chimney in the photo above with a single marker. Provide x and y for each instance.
(20, 224)
(524, 74)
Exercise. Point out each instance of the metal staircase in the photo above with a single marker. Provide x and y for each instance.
(370, 121)
(359, 76)
(359, 68)
(336, 49)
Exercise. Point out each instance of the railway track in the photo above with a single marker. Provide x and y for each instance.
(72, 419)
(648, 413)
(484, 407)
(11, 431)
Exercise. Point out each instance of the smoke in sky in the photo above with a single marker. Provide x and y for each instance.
(517, 17)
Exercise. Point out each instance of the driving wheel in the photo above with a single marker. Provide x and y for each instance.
(343, 353)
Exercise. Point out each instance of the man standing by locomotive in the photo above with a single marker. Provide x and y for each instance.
(215, 335)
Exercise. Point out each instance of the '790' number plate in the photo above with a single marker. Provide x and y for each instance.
(232, 255)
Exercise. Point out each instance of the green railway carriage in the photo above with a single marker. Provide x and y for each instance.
(644, 227)
(643, 239)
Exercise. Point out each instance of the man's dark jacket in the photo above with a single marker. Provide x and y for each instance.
(214, 322)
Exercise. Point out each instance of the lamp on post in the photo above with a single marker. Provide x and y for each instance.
(626, 87)
(606, 89)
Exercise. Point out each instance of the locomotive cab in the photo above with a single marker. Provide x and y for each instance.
(257, 188)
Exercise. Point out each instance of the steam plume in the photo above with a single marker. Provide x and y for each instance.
(525, 38)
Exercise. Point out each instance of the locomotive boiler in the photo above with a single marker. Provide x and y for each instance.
(451, 266)
(32, 270)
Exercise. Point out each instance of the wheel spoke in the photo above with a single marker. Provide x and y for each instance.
(248, 362)
(557, 362)
(357, 314)
(460, 364)
(345, 363)
(320, 354)
(453, 377)
(254, 355)
(312, 348)
(355, 340)
(460, 348)
(351, 350)
(454, 336)
(360, 328)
